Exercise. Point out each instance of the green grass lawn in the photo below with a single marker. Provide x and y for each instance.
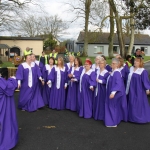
(9, 64)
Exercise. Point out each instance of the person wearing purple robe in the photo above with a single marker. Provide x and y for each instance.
(58, 82)
(28, 75)
(73, 87)
(100, 92)
(41, 66)
(107, 67)
(70, 63)
(8, 119)
(45, 73)
(124, 70)
(86, 90)
(115, 102)
(138, 87)
(95, 66)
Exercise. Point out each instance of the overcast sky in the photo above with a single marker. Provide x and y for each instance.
(58, 7)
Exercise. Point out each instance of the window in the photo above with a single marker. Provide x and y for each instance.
(144, 49)
(99, 49)
(80, 48)
(115, 49)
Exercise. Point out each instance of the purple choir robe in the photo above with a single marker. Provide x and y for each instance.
(8, 119)
(116, 108)
(73, 87)
(67, 65)
(124, 72)
(100, 95)
(41, 66)
(58, 79)
(108, 68)
(138, 106)
(30, 98)
(86, 95)
(46, 89)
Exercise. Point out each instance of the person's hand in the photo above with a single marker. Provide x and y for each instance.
(70, 75)
(65, 87)
(19, 86)
(147, 92)
(42, 82)
(91, 88)
(97, 80)
(112, 96)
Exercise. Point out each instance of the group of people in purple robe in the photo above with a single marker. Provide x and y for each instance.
(109, 93)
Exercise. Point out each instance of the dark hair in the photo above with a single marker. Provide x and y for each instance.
(52, 59)
(138, 49)
(27, 56)
(128, 56)
(103, 57)
(79, 61)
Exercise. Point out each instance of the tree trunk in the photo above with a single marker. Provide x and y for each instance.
(87, 12)
(131, 34)
(111, 36)
(119, 28)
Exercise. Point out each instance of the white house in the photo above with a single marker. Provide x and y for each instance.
(98, 43)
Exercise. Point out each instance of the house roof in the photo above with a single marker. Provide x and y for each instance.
(102, 38)
(20, 38)
(4, 46)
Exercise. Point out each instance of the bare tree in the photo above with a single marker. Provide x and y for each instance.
(42, 25)
(10, 10)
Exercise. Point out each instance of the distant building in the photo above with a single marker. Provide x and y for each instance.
(19, 44)
(98, 43)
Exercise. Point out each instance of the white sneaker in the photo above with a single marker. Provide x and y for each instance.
(112, 126)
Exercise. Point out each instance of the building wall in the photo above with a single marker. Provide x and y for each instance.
(92, 50)
(36, 45)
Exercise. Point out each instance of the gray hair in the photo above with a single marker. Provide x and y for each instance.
(115, 60)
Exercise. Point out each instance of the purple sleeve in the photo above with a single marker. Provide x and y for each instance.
(104, 79)
(44, 75)
(145, 80)
(108, 68)
(39, 74)
(51, 76)
(117, 83)
(92, 80)
(19, 73)
(8, 87)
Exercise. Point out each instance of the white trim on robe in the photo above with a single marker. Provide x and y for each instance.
(68, 64)
(138, 71)
(102, 74)
(37, 62)
(83, 72)
(26, 66)
(59, 76)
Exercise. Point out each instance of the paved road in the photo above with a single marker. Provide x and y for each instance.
(49, 129)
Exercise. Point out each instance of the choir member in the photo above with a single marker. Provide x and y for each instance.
(107, 67)
(95, 66)
(28, 75)
(86, 90)
(58, 82)
(70, 63)
(115, 102)
(124, 70)
(138, 86)
(74, 77)
(45, 73)
(100, 91)
(8, 120)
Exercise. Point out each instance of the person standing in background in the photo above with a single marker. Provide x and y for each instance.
(54, 54)
(43, 58)
(17, 60)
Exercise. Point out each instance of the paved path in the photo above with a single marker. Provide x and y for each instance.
(49, 129)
